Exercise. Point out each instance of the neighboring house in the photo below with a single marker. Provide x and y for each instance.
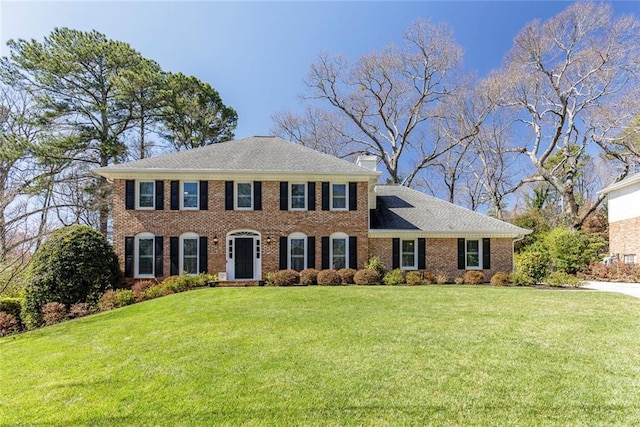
(260, 204)
(624, 219)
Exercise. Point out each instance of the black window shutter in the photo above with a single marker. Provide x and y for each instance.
(159, 195)
(128, 257)
(284, 196)
(461, 254)
(325, 252)
(283, 253)
(228, 195)
(158, 270)
(311, 196)
(203, 260)
(325, 196)
(486, 253)
(395, 253)
(175, 195)
(174, 255)
(353, 252)
(422, 253)
(257, 195)
(129, 194)
(353, 196)
(311, 252)
(204, 195)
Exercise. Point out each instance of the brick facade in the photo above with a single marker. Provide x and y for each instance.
(218, 222)
(624, 238)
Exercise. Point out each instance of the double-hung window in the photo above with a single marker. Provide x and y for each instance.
(297, 251)
(339, 254)
(408, 255)
(298, 197)
(473, 254)
(189, 195)
(189, 253)
(630, 259)
(244, 195)
(339, 197)
(144, 246)
(146, 195)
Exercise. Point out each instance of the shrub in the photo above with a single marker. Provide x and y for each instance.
(54, 312)
(309, 277)
(12, 306)
(269, 279)
(473, 277)
(114, 299)
(124, 297)
(501, 278)
(616, 272)
(429, 278)
(329, 277)
(177, 284)
(441, 278)
(286, 278)
(107, 301)
(394, 278)
(532, 265)
(414, 278)
(80, 309)
(375, 263)
(75, 264)
(346, 275)
(562, 279)
(367, 276)
(459, 280)
(152, 292)
(569, 251)
(139, 289)
(9, 324)
(520, 278)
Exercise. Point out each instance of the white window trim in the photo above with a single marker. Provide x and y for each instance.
(136, 254)
(138, 194)
(184, 237)
(480, 266)
(189, 208)
(306, 198)
(236, 194)
(304, 247)
(414, 266)
(624, 258)
(346, 248)
(346, 196)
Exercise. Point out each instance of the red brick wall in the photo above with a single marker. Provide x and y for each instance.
(624, 237)
(442, 255)
(216, 221)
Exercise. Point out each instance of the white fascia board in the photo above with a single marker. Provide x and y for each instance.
(114, 173)
(621, 184)
(409, 234)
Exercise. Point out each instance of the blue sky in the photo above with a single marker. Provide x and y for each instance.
(256, 54)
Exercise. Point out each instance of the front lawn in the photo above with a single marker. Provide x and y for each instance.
(442, 355)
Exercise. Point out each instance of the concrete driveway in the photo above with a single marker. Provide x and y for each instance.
(632, 289)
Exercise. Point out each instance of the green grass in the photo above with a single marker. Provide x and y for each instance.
(442, 355)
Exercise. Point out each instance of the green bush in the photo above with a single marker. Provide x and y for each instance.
(394, 278)
(375, 263)
(329, 278)
(562, 279)
(532, 264)
(75, 264)
(309, 277)
(139, 289)
(152, 292)
(367, 276)
(9, 324)
(177, 283)
(12, 306)
(520, 278)
(414, 278)
(346, 275)
(501, 278)
(569, 251)
(54, 312)
(473, 277)
(286, 278)
(115, 299)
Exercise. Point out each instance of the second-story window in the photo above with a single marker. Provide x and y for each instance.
(244, 195)
(146, 194)
(190, 195)
(298, 196)
(338, 197)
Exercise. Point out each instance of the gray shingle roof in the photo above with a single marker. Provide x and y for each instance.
(404, 209)
(257, 154)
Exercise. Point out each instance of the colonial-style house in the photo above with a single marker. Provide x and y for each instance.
(624, 219)
(247, 207)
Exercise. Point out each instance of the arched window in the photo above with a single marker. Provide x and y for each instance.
(189, 253)
(144, 255)
(339, 251)
(297, 251)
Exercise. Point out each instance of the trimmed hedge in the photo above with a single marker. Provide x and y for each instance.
(346, 275)
(309, 277)
(286, 278)
(366, 276)
(329, 277)
(473, 277)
